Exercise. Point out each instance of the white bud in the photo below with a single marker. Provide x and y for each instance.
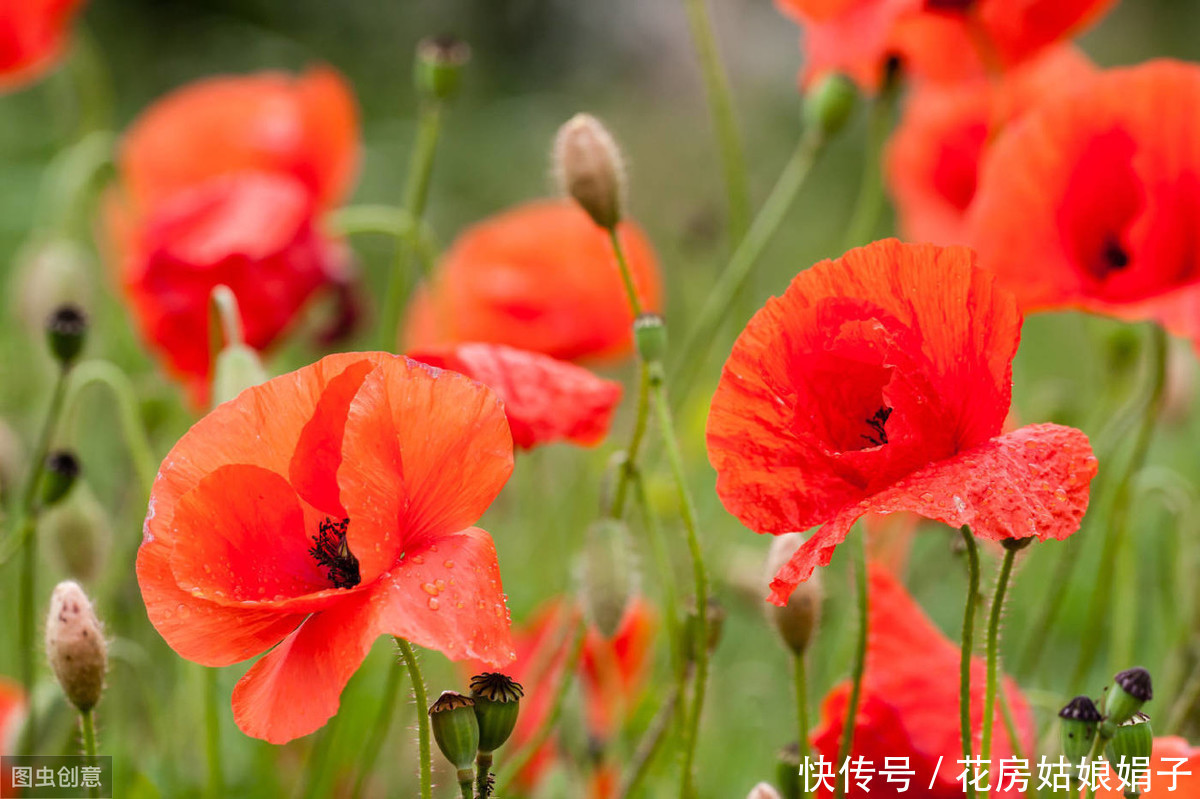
(75, 645)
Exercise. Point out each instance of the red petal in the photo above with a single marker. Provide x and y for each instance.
(12, 709)
(431, 450)
(32, 36)
(1031, 482)
(545, 399)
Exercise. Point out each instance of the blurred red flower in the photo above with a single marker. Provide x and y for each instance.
(540, 277)
(224, 181)
(933, 158)
(879, 382)
(12, 716)
(318, 511)
(612, 674)
(32, 36)
(1167, 753)
(545, 399)
(1092, 201)
(939, 40)
(910, 702)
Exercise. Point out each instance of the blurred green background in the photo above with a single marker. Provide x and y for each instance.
(535, 63)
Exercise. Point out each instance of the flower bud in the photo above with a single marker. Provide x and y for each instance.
(1130, 690)
(238, 367)
(1080, 719)
(438, 70)
(829, 104)
(798, 619)
(48, 274)
(75, 645)
(607, 574)
(62, 469)
(650, 333)
(589, 169)
(79, 534)
(497, 705)
(691, 628)
(763, 791)
(66, 331)
(787, 771)
(455, 728)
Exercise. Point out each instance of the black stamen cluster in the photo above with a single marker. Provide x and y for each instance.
(333, 553)
(876, 423)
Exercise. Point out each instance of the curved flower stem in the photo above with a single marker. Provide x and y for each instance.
(418, 688)
(523, 755)
(635, 302)
(800, 681)
(870, 190)
(860, 662)
(108, 374)
(661, 552)
(416, 194)
(212, 733)
(629, 469)
(968, 645)
(379, 730)
(1118, 525)
(736, 274)
(88, 727)
(720, 103)
(993, 652)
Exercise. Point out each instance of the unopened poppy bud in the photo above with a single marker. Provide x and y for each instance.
(589, 169)
(716, 625)
(75, 645)
(238, 367)
(439, 67)
(763, 791)
(455, 728)
(607, 574)
(497, 705)
(1080, 719)
(650, 333)
(66, 331)
(787, 771)
(1130, 690)
(798, 619)
(79, 533)
(1133, 738)
(62, 469)
(829, 104)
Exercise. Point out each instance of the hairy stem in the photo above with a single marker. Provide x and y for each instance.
(418, 688)
(993, 652)
(968, 645)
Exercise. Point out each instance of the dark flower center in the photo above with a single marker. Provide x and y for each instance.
(333, 553)
(1113, 258)
(949, 5)
(878, 435)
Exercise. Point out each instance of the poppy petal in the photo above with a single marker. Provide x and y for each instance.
(1034, 481)
(544, 399)
(441, 437)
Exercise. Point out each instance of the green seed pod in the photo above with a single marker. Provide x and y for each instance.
(439, 67)
(1133, 738)
(497, 705)
(607, 574)
(1080, 718)
(62, 469)
(455, 728)
(797, 621)
(1130, 690)
(828, 106)
(787, 771)
(66, 331)
(650, 334)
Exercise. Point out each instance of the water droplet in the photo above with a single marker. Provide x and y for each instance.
(433, 603)
(430, 589)
(449, 564)
(440, 584)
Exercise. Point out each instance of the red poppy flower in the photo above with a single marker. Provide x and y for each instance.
(32, 36)
(224, 183)
(879, 382)
(910, 701)
(1164, 759)
(932, 161)
(545, 399)
(12, 713)
(939, 40)
(1092, 201)
(318, 511)
(540, 277)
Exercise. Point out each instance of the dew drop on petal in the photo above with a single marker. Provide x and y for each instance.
(433, 603)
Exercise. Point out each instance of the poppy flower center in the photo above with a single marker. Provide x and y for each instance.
(949, 5)
(332, 552)
(877, 424)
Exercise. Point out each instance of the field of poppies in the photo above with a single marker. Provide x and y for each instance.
(540, 399)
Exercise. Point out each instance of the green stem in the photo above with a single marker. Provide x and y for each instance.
(465, 784)
(666, 572)
(87, 723)
(1097, 747)
(651, 744)
(379, 730)
(522, 757)
(870, 191)
(1100, 608)
(800, 681)
(416, 194)
(631, 293)
(483, 768)
(860, 661)
(418, 688)
(629, 468)
(108, 374)
(212, 732)
(1014, 739)
(968, 639)
(993, 653)
(736, 274)
(720, 102)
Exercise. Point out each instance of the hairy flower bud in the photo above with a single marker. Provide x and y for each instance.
(691, 629)
(763, 791)
(455, 728)
(439, 65)
(798, 619)
(589, 169)
(75, 645)
(607, 574)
